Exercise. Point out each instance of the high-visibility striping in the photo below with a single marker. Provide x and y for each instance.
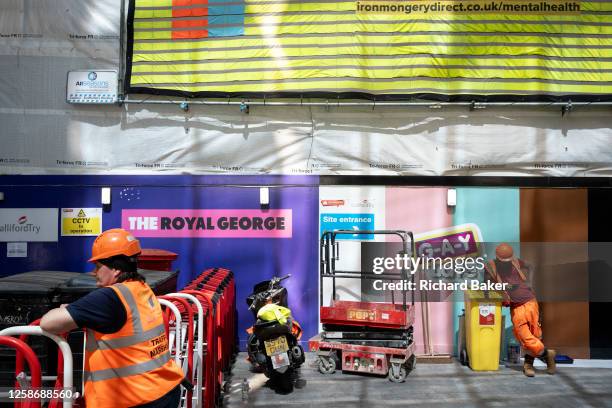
(189, 29)
(189, 23)
(391, 80)
(189, 12)
(312, 74)
(127, 341)
(383, 61)
(463, 58)
(398, 49)
(129, 298)
(364, 35)
(309, 45)
(127, 371)
(520, 72)
(392, 42)
(409, 86)
(142, 32)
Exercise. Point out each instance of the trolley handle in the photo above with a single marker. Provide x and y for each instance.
(276, 280)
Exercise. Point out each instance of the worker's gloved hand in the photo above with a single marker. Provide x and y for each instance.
(187, 384)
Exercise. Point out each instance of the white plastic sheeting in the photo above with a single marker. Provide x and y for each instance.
(41, 134)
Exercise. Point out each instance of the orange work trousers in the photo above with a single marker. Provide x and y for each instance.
(527, 330)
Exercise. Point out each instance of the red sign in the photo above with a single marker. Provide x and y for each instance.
(362, 315)
(486, 315)
(332, 203)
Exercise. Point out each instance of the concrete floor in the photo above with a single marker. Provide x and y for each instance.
(429, 385)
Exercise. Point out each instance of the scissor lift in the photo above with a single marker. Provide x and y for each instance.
(364, 337)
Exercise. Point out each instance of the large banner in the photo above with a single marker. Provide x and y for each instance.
(459, 49)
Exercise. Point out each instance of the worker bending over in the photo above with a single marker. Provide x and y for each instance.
(523, 307)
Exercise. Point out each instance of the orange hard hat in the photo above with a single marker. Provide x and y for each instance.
(504, 252)
(114, 242)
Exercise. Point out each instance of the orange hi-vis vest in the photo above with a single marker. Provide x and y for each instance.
(132, 366)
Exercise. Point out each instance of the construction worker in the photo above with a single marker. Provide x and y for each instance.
(127, 362)
(524, 309)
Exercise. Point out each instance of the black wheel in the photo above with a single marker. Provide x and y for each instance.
(410, 364)
(326, 364)
(463, 357)
(397, 373)
(284, 381)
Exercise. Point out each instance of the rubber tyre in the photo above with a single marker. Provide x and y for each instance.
(401, 377)
(411, 363)
(463, 357)
(284, 381)
(326, 365)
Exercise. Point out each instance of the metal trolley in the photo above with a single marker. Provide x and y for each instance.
(365, 337)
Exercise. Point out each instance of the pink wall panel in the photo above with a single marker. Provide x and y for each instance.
(420, 210)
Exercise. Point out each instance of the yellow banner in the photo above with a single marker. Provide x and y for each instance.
(461, 49)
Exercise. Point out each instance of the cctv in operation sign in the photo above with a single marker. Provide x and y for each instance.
(81, 221)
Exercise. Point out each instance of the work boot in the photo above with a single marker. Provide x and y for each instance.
(548, 356)
(528, 366)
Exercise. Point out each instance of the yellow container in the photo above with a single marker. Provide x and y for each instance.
(483, 329)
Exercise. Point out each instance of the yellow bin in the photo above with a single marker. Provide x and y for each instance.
(483, 329)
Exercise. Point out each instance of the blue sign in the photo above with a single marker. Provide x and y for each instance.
(348, 221)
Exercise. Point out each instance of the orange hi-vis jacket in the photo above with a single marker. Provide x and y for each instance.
(132, 366)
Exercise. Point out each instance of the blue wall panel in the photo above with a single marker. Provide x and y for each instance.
(497, 212)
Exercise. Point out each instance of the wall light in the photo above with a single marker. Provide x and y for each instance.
(451, 197)
(1, 196)
(106, 196)
(264, 196)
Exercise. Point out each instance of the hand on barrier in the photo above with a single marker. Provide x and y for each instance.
(187, 385)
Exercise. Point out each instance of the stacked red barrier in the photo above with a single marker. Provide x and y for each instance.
(215, 290)
(218, 285)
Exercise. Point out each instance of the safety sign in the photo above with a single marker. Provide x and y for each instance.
(81, 221)
(16, 249)
(486, 314)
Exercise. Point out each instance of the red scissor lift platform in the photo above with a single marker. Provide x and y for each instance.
(359, 336)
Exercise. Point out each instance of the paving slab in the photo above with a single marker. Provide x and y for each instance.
(429, 385)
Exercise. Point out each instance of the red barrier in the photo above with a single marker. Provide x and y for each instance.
(185, 309)
(210, 389)
(27, 353)
(59, 381)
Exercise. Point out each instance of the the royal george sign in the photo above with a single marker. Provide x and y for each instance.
(28, 225)
(202, 223)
